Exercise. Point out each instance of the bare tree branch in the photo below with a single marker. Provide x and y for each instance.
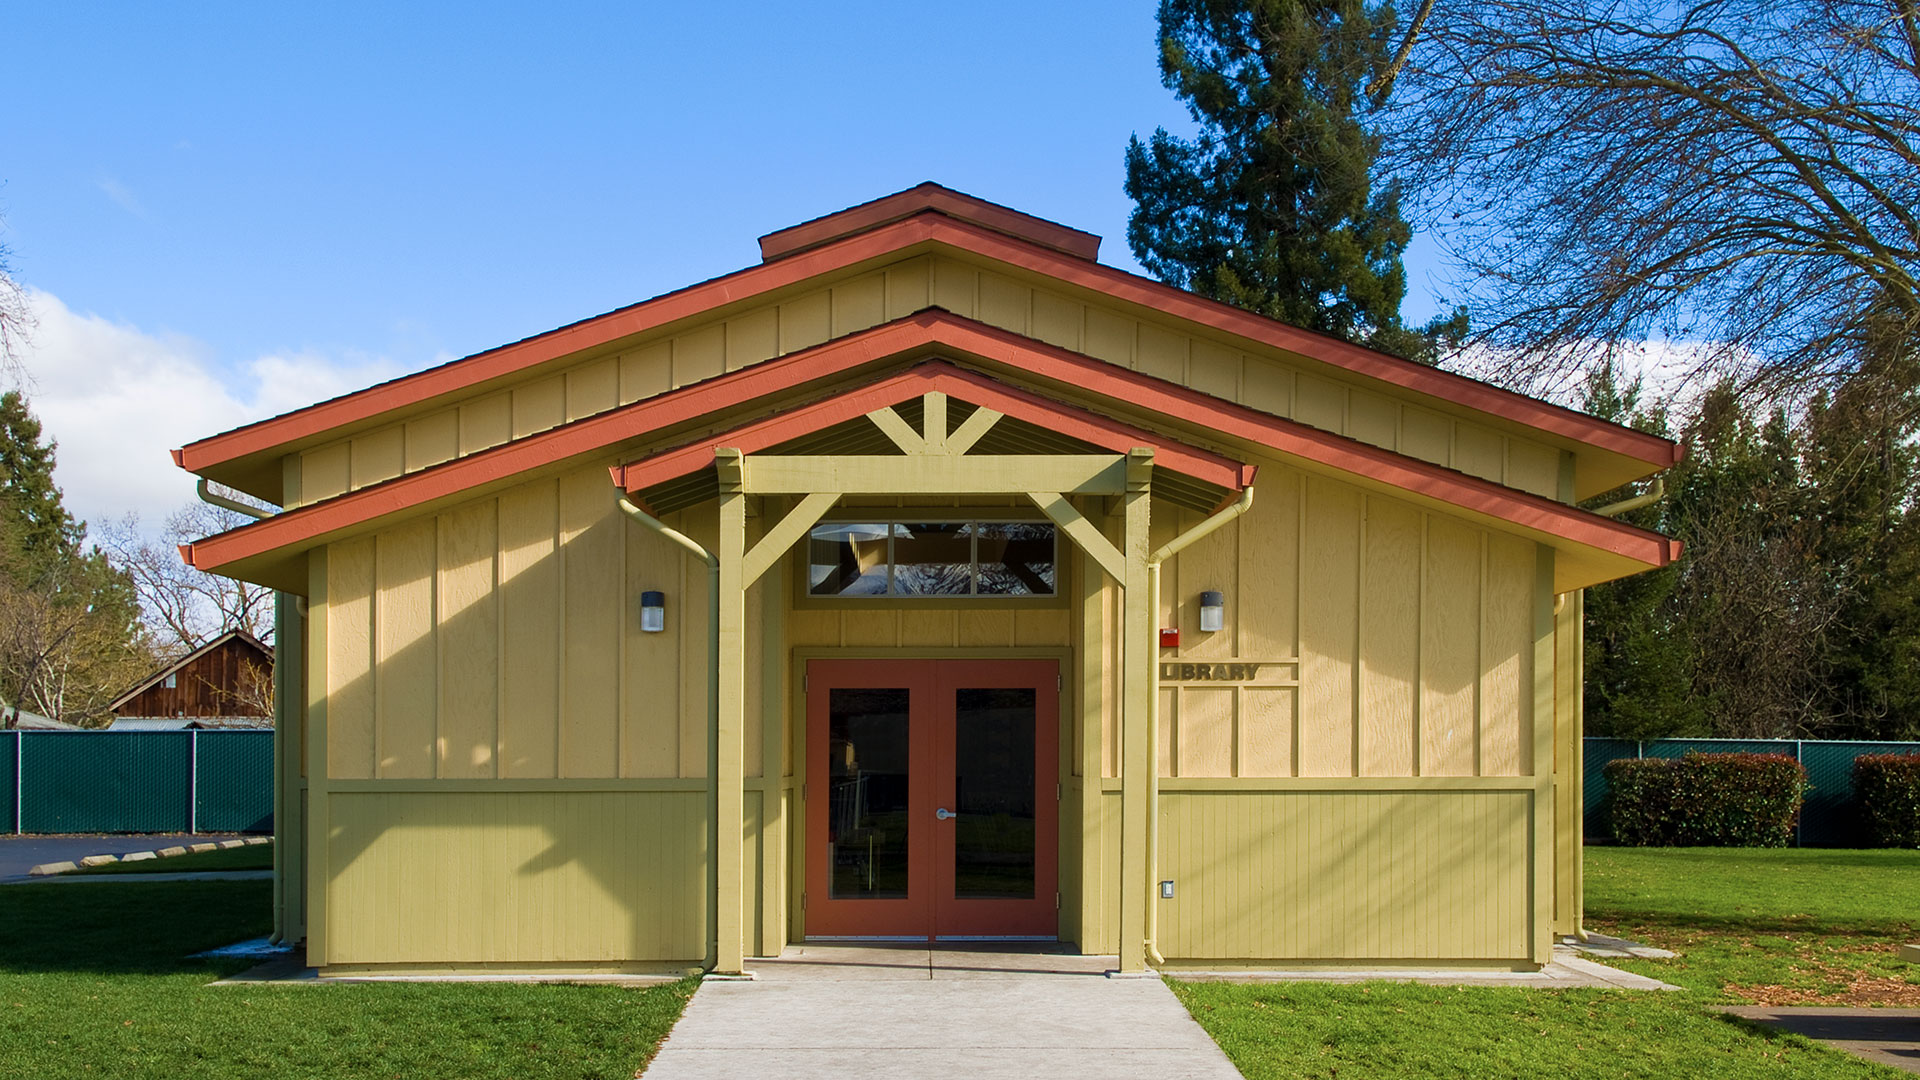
(1382, 84)
(184, 607)
(1736, 174)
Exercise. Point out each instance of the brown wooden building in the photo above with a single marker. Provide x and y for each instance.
(226, 678)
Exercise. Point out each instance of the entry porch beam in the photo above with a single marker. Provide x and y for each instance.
(1067, 474)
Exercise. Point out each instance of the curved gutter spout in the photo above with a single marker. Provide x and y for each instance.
(214, 498)
(1167, 551)
(1654, 494)
(713, 667)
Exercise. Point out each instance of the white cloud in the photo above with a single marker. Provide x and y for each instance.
(118, 399)
(122, 196)
(1673, 373)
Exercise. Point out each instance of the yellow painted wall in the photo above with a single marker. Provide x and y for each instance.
(498, 640)
(1391, 641)
(501, 639)
(1268, 380)
(1305, 875)
(516, 877)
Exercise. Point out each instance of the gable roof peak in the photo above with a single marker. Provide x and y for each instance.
(928, 197)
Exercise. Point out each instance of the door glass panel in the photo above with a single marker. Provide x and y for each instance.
(867, 793)
(1016, 558)
(993, 788)
(933, 559)
(847, 560)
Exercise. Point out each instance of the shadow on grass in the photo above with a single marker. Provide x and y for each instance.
(1759, 1030)
(1756, 924)
(114, 928)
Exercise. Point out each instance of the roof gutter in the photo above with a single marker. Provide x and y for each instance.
(1167, 551)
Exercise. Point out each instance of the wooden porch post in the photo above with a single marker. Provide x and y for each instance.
(1138, 755)
(729, 734)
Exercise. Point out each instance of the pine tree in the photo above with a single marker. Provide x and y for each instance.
(1863, 473)
(1637, 653)
(70, 634)
(1271, 207)
(38, 529)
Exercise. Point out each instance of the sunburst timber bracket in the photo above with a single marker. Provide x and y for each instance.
(933, 439)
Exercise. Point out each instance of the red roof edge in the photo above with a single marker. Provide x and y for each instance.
(922, 197)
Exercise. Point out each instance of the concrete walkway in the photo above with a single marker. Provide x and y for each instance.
(906, 1012)
(1883, 1036)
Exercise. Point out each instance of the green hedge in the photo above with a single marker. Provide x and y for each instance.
(1706, 800)
(1886, 787)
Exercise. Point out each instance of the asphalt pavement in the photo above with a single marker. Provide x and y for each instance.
(19, 854)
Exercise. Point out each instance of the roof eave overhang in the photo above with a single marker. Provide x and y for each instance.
(269, 547)
(247, 457)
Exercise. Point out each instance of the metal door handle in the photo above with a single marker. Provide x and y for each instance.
(943, 814)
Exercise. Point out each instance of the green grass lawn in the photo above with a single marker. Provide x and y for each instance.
(256, 857)
(1749, 925)
(95, 982)
(1796, 926)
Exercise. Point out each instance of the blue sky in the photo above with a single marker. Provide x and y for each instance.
(255, 205)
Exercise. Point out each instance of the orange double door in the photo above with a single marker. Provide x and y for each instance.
(933, 807)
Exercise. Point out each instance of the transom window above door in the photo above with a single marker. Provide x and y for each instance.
(932, 558)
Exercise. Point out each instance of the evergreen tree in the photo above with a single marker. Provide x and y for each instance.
(70, 634)
(1637, 652)
(38, 528)
(1272, 207)
(1862, 484)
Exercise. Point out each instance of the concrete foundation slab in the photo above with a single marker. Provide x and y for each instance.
(1619, 948)
(1568, 971)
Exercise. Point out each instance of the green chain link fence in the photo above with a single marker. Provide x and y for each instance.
(136, 781)
(1829, 818)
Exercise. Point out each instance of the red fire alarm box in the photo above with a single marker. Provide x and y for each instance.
(1169, 637)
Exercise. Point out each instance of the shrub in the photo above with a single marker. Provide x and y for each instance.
(1706, 800)
(1886, 788)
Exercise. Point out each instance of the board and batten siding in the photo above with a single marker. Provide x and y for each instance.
(475, 877)
(1310, 394)
(501, 639)
(1392, 641)
(1349, 876)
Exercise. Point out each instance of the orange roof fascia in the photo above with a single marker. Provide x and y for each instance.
(925, 227)
(934, 375)
(929, 196)
(931, 329)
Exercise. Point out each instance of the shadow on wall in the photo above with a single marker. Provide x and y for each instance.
(517, 876)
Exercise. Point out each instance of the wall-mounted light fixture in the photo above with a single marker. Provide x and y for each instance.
(1213, 611)
(653, 611)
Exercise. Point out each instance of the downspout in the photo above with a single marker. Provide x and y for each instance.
(214, 498)
(1654, 494)
(713, 677)
(280, 932)
(1165, 552)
